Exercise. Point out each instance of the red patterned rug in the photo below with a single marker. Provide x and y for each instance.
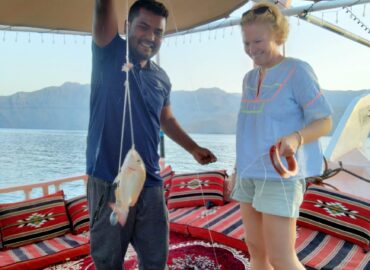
(186, 253)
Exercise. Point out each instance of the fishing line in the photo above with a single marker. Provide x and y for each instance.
(129, 101)
(238, 175)
(285, 195)
(208, 229)
(204, 201)
(263, 162)
(264, 178)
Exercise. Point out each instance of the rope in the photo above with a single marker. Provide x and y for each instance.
(329, 173)
(122, 132)
(130, 115)
(127, 96)
(127, 78)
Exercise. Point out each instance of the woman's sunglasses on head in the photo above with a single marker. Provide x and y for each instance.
(259, 11)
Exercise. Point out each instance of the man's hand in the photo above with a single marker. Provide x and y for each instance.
(203, 155)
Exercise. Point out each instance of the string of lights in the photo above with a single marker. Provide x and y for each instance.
(356, 19)
(186, 37)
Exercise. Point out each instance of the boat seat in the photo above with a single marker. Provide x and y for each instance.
(45, 253)
(223, 224)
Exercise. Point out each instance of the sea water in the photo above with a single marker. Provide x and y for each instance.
(32, 156)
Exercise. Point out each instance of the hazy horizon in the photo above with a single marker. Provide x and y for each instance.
(32, 61)
(175, 90)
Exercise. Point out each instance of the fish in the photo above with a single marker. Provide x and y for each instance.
(129, 184)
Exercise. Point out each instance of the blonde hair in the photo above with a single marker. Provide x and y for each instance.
(271, 17)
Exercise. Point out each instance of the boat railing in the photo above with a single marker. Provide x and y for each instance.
(45, 187)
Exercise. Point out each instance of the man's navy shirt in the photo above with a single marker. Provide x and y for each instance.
(149, 90)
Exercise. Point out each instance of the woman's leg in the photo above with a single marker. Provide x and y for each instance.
(280, 234)
(252, 221)
(278, 202)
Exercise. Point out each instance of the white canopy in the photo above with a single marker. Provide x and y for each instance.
(76, 15)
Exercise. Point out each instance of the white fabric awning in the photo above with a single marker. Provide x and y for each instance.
(76, 15)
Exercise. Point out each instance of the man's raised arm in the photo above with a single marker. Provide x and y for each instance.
(105, 23)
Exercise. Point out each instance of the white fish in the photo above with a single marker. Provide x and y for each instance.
(130, 181)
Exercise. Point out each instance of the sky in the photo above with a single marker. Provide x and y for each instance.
(31, 61)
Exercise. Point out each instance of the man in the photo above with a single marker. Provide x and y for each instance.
(147, 223)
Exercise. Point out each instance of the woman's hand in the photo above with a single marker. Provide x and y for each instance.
(288, 145)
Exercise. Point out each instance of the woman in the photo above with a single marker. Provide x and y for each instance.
(282, 105)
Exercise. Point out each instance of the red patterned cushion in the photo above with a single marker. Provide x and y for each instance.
(196, 189)
(33, 220)
(167, 175)
(340, 214)
(39, 255)
(79, 214)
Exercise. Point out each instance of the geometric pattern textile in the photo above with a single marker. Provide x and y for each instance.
(33, 220)
(197, 189)
(166, 175)
(79, 214)
(45, 253)
(336, 213)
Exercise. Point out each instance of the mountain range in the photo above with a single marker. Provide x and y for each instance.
(66, 107)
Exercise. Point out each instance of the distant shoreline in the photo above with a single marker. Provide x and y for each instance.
(202, 111)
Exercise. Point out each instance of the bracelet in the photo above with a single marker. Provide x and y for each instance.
(301, 140)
